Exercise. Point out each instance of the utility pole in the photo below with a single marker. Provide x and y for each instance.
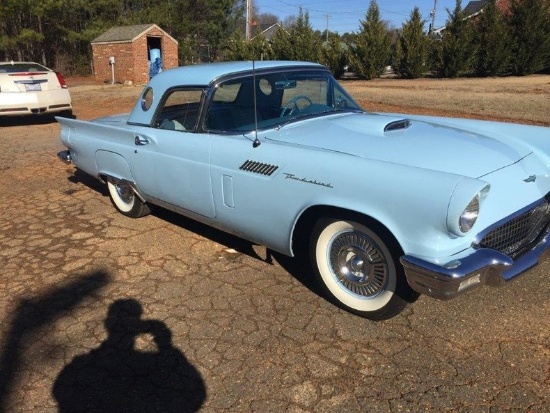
(328, 16)
(432, 14)
(248, 18)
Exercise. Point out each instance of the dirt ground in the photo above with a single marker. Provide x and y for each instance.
(510, 99)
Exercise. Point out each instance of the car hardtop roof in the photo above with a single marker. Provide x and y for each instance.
(204, 74)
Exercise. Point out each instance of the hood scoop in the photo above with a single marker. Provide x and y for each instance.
(397, 125)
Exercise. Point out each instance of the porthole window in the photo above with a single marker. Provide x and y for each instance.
(147, 99)
(265, 87)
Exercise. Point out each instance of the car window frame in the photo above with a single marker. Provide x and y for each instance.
(155, 119)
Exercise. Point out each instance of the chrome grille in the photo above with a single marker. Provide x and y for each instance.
(519, 232)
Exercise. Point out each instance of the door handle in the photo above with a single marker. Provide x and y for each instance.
(141, 140)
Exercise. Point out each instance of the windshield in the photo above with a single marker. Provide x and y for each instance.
(280, 98)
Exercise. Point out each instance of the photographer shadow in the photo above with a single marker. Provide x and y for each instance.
(116, 377)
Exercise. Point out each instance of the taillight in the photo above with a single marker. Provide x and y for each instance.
(61, 80)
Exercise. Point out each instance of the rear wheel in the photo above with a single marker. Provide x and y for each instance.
(359, 269)
(125, 200)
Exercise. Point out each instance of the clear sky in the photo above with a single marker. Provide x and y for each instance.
(344, 15)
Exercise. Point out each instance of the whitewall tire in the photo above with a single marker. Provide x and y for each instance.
(358, 268)
(125, 200)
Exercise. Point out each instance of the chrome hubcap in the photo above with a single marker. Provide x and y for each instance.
(358, 264)
(125, 192)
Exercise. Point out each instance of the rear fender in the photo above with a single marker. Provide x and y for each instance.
(112, 165)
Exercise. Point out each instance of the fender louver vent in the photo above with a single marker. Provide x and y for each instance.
(397, 125)
(258, 168)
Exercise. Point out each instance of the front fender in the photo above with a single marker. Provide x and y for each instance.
(412, 203)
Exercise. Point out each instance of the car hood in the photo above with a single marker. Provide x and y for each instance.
(415, 142)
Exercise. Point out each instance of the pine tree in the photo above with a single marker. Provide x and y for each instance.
(334, 55)
(259, 48)
(237, 48)
(456, 50)
(301, 42)
(411, 60)
(372, 51)
(281, 46)
(529, 30)
(492, 39)
(306, 43)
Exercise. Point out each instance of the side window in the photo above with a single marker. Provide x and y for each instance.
(234, 110)
(180, 110)
(342, 99)
(227, 92)
(232, 107)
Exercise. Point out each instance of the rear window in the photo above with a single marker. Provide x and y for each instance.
(22, 67)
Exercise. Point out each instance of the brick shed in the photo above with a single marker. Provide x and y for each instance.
(130, 46)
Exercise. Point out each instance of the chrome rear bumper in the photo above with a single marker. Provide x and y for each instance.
(65, 157)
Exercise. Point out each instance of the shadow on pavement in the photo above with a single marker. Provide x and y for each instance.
(115, 377)
(299, 267)
(35, 314)
(93, 183)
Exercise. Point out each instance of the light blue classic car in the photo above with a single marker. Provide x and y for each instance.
(386, 206)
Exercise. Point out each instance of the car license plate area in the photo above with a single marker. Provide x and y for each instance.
(33, 87)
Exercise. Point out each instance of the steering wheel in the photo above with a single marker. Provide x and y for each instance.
(292, 105)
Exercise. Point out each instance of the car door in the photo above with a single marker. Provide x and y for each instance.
(246, 174)
(171, 162)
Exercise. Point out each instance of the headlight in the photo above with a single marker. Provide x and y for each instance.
(460, 219)
(469, 216)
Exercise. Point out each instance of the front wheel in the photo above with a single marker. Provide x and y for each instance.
(125, 200)
(359, 269)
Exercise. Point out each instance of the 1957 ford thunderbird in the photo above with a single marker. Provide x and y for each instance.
(387, 206)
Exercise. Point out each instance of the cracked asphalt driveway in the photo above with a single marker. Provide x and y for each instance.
(104, 313)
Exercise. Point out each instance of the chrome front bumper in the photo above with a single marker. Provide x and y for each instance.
(65, 157)
(483, 267)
